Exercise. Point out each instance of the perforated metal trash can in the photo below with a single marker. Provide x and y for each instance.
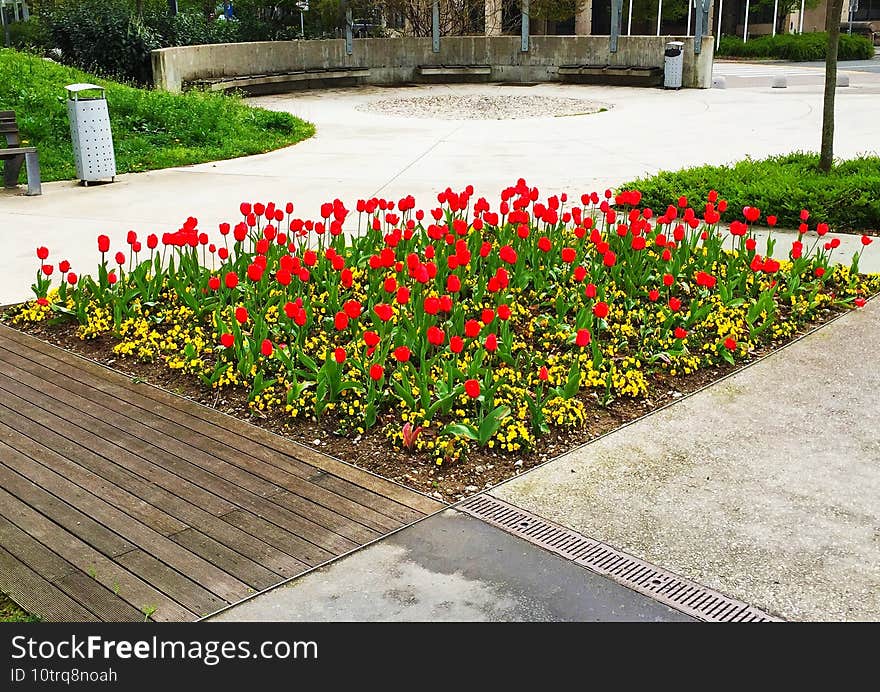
(90, 132)
(673, 64)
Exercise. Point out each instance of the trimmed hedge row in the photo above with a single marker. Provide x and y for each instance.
(795, 47)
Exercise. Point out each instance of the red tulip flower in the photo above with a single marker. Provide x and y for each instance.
(583, 337)
(120, 258)
(491, 343)
(600, 310)
(377, 372)
(64, 266)
(859, 302)
(680, 333)
(266, 348)
(72, 279)
(214, 283)
(543, 374)
(730, 344)
(456, 344)
(339, 355)
(383, 311)
(241, 314)
(402, 354)
(674, 304)
(352, 308)
(42, 253)
(472, 388)
(867, 240)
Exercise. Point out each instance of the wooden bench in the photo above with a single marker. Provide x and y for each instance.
(454, 70)
(625, 75)
(277, 80)
(14, 155)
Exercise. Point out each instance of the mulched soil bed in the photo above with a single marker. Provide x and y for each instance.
(480, 469)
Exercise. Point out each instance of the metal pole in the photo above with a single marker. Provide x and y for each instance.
(690, 8)
(718, 32)
(525, 26)
(348, 32)
(851, 10)
(659, 14)
(435, 27)
(746, 25)
(775, 14)
(629, 20)
(616, 17)
(302, 25)
(801, 19)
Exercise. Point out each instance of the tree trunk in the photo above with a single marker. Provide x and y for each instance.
(832, 26)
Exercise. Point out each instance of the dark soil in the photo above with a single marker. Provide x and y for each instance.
(480, 469)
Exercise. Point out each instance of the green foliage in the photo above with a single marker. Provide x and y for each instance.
(151, 129)
(11, 612)
(106, 38)
(32, 35)
(848, 198)
(797, 47)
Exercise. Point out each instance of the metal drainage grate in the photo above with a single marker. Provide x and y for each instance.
(666, 587)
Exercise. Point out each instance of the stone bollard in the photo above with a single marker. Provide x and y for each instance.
(843, 80)
(779, 82)
(719, 83)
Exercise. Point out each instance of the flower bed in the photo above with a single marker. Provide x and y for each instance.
(463, 335)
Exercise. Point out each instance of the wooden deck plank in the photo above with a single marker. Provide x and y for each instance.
(36, 595)
(133, 505)
(187, 512)
(119, 497)
(210, 472)
(128, 529)
(130, 587)
(250, 437)
(186, 592)
(355, 504)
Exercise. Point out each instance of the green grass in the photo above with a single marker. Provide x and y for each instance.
(10, 612)
(848, 198)
(797, 47)
(151, 129)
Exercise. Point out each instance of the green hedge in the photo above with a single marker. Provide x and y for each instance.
(796, 47)
(151, 129)
(848, 198)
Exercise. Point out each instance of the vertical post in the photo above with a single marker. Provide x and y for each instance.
(690, 12)
(5, 25)
(616, 12)
(659, 15)
(525, 26)
(348, 29)
(775, 15)
(746, 24)
(801, 19)
(25, 11)
(718, 31)
(629, 20)
(435, 26)
(701, 23)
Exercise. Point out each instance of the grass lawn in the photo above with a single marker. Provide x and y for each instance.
(151, 129)
(848, 198)
(10, 612)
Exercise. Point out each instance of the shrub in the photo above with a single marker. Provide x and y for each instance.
(847, 198)
(107, 38)
(32, 35)
(796, 47)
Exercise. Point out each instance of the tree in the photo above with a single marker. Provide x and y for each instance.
(832, 26)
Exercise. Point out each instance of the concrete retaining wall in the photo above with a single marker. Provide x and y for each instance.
(395, 60)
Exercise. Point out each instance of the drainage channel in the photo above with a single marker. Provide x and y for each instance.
(663, 586)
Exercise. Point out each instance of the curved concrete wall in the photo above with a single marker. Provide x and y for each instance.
(396, 60)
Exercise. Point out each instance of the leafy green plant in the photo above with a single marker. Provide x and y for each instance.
(795, 47)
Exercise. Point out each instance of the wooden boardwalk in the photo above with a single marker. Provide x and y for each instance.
(120, 499)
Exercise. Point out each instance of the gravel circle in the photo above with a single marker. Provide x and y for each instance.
(482, 107)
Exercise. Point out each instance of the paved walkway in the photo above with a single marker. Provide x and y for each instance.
(357, 154)
(122, 501)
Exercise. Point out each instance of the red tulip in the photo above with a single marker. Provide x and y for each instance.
(456, 344)
(402, 296)
(352, 308)
(42, 252)
(377, 372)
(339, 355)
(583, 337)
(402, 354)
(668, 280)
(111, 277)
(730, 344)
(674, 304)
(436, 336)
(47, 269)
(472, 388)
(472, 328)
(64, 266)
(609, 259)
(340, 322)
(653, 295)
(241, 314)
(491, 343)
(214, 283)
(600, 310)
(504, 312)
(383, 311)
(859, 302)
(266, 348)
(543, 374)
(866, 240)
(432, 305)
(103, 244)
(680, 333)
(72, 279)
(120, 258)
(568, 255)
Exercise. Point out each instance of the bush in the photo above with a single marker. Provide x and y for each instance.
(151, 129)
(32, 35)
(848, 198)
(795, 47)
(106, 38)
